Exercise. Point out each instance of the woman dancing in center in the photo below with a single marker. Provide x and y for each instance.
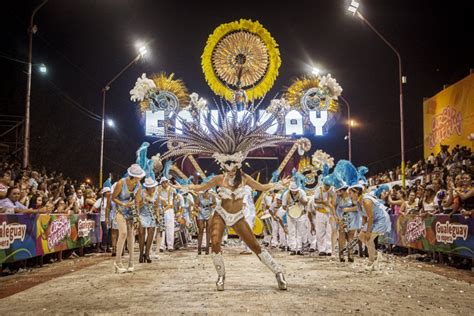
(232, 192)
(229, 146)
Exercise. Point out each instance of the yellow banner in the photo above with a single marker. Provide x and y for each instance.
(448, 117)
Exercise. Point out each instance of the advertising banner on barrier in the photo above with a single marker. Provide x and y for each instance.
(17, 237)
(441, 233)
(27, 236)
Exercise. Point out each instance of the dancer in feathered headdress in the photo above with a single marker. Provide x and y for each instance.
(229, 145)
(377, 220)
(347, 211)
(149, 212)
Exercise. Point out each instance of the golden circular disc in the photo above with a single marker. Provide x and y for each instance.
(241, 49)
(243, 52)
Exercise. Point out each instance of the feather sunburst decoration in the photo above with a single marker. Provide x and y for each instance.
(166, 84)
(242, 50)
(300, 86)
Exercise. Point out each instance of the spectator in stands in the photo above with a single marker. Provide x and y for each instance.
(24, 198)
(440, 194)
(60, 207)
(465, 195)
(396, 201)
(10, 204)
(5, 182)
(36, 202)
(412, 205)
(392, 201)
(24, 181)
(99, 207)
(431, 159)
(80, 199)
(71, 205)
(89, 201)
(33, 181)
(429, 206)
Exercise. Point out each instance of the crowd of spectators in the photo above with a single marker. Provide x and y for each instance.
(441, 184)
(38, 191)
(30, 191)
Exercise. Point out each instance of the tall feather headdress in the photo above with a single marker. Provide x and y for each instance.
(228, 144)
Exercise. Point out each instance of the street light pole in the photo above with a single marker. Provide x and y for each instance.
(354, 9)
(31, 32)
(349, 123)
(104, 92)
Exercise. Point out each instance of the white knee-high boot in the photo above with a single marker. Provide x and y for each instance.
(276, 268)
(218, 261)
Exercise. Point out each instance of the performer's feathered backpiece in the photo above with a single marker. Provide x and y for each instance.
(228, 144)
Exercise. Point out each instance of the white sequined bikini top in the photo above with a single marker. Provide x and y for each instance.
(228, 194)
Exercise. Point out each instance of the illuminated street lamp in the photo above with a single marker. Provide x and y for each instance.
(43, 69)
(110, 123)
(142, 51)
(315, 71)
(354, 9)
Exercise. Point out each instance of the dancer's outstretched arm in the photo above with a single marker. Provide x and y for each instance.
(217, 180)
(251, 182)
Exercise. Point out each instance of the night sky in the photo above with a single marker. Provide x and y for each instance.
(84, 43)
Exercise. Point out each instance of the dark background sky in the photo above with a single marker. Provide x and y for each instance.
(85, 43)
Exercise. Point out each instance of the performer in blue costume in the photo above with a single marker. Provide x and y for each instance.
(127, 198)
(149, 216)
(376, 221)
(347, 218)
(206, 204)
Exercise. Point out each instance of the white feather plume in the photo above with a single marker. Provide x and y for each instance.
(330, 84)
(142, 87)
(320, 158)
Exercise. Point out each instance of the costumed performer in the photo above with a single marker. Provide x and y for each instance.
(229, 146)
(377, 221)
(127, 198)
(206, 204)
(295, 197)
(149, 218)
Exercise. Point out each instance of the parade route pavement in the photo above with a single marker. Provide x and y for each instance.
(183, 282)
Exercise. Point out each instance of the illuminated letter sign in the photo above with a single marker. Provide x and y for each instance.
(294, 123)
(318, 122)
(154, 123)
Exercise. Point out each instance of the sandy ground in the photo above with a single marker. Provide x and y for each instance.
(182, 282)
